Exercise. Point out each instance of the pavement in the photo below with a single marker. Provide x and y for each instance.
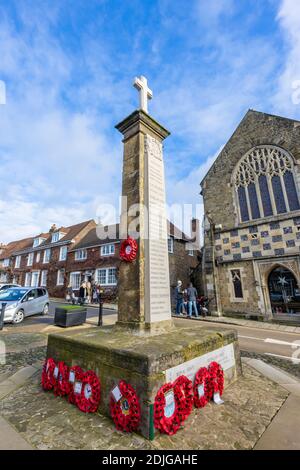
(275, 406)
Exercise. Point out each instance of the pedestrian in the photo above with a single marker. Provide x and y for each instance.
(89, 292)
(82, 294)
(94, 294)
(179, 298)
(69, 293)
(192, 295)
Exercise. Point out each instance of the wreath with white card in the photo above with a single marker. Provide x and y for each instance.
(125, 407)
(48, 379)
(166, 410)
(75, 383)
(128, 250)
(183, 388)
(202, 388)
(90, 391)
(61, 385)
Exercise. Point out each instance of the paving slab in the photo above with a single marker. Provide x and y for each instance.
(284, 431)
(10, 438)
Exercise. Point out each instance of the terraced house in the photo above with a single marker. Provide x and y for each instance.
(252, 224)
(74, 254)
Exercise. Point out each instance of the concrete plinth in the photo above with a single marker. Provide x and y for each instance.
(146, 362)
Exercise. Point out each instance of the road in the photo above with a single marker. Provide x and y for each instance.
(280, 344)
(263, 341)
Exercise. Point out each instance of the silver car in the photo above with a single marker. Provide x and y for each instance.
(22, 302)
(8, 286)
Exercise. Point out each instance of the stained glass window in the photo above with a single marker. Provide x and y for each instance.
(265, 183)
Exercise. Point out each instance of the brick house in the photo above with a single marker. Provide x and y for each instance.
(73, 254)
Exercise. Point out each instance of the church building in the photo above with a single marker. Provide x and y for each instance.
(252, 221)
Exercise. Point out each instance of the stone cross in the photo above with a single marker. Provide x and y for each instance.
(141, 84)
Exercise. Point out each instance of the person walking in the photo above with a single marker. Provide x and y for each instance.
(179, 298)
(69, 293)
(89, 292)
(82, 293)
(192, 295)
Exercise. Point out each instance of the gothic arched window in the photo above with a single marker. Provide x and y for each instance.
(264, 183)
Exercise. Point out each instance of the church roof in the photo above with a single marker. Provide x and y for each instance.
(248, 115)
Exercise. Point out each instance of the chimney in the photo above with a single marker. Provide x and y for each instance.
(53, 228)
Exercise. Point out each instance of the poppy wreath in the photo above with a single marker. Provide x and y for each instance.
(166, 425)
(202, 378)
(126, 413)
(89, 398)
(77, 374)
(48, 379)
(216, 378)
(128, 250)
(61, 385)
(184, 393)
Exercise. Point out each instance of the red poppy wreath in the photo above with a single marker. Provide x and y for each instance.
(125, 407)
(128, 250)
(75, 382)
(48, 379)
(89, 397)
(216, 378)
(183, 388)
(202, 389)
(61, 385)
(166, 410)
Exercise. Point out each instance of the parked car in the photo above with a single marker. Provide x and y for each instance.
(8, 286)
(22, 302)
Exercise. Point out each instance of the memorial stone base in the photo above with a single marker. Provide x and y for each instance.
(146, 362)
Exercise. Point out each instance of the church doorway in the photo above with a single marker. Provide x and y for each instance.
(284, 291)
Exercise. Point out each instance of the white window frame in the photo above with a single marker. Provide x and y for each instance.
(106, 282)
(37, 241)
(18, 261)
(38, 257)
(63, 249)
(77, 285)
(3, 277)
(30, 259)
(107, 250)
(44, 275)
(46, 259)
(6, 263)
(171, 245)
(32, 277)
(81, 255)
(27, 281)
(60, 280)
(56, 236)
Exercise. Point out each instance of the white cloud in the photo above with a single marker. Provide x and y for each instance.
(289, 20)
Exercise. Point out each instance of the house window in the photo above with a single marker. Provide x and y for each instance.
(171, 245)
(265, 184)
(55, 237)
(60, 277)
(191, 252)
(6, 262)
(106, 276)
(30, 259)
(80, 255)
(75, 280)
(3, 277)
(38, 257)
(63, 253)
(107, 250)
(35, 275)
(47, 255)
(37, 241)
(237, 284)
(44, 277)
(27, 279)
(18, 261)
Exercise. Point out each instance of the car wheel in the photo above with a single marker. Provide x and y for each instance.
(18, 317)
(45, 309)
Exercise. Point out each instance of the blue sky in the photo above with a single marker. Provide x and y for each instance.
(68, 67)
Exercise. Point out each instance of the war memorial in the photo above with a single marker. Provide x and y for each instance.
(144, 349)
